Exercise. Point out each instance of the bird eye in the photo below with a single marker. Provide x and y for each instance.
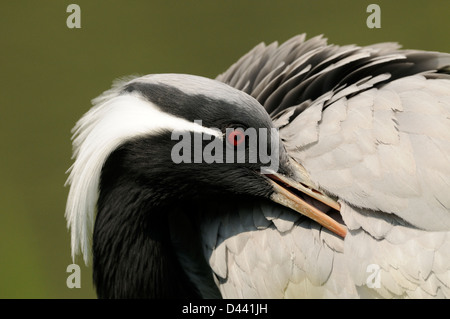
(236, 136)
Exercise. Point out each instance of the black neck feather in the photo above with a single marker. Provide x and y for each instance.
(133, 255)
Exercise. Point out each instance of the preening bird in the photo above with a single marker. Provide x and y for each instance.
(357, 205)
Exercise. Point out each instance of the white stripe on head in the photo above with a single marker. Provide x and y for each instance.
(113, 120)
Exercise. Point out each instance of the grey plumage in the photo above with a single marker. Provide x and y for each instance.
(371, 125)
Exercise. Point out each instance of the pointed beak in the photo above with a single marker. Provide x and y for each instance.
(286, 191)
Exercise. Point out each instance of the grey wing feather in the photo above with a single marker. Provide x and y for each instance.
(284, 76)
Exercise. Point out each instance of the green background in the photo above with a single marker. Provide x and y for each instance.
(49, 73)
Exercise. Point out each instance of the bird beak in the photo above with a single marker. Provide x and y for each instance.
(285, 189)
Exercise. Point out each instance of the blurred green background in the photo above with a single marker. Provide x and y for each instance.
(49, 73)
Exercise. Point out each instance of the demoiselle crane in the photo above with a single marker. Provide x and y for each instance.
(357, 203)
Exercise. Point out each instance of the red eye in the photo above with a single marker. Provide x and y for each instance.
(236, 137)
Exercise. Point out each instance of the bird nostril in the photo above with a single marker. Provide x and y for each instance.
(311, 189)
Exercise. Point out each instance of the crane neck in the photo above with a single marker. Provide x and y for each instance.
(132, 253)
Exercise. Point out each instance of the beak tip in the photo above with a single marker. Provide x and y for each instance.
(282, 195)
